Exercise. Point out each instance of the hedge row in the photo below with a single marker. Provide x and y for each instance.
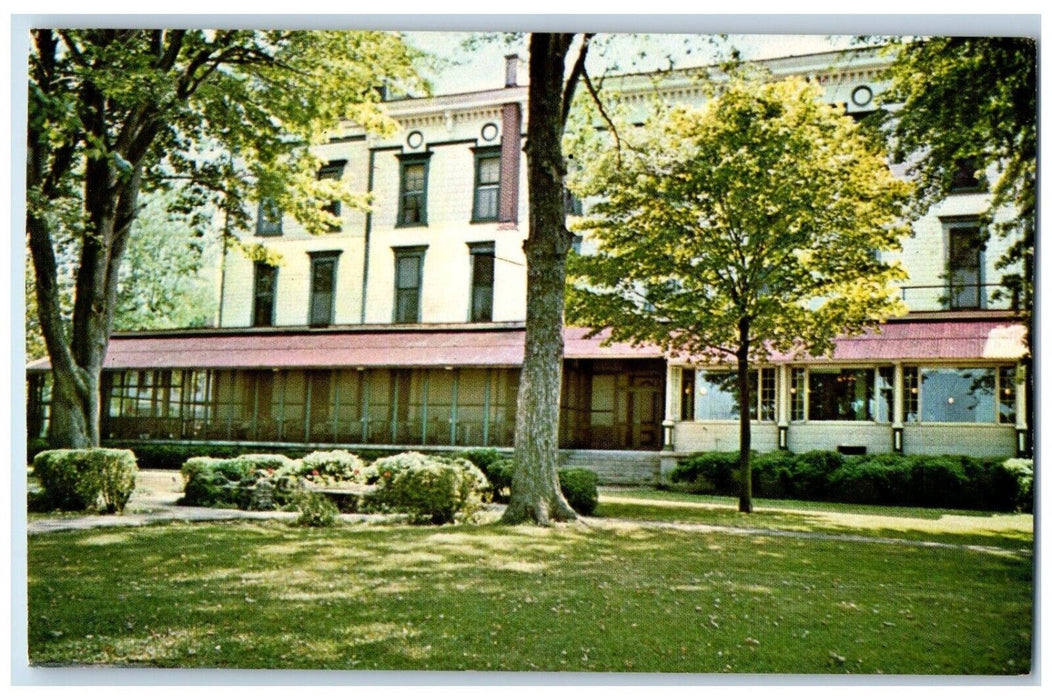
(943, 481)
(426, 487)
(89, 479)
(172, 456)
(580, 487)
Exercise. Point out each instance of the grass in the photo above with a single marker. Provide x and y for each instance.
(610, 597)
(1010, 530)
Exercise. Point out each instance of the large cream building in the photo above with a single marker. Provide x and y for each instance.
(404, 326)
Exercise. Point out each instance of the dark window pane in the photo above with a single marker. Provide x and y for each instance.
(407, 286)
(323, 285)
(965, 264)
(840, 394)
(264, 295)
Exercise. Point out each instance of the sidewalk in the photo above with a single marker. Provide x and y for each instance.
(154, 500)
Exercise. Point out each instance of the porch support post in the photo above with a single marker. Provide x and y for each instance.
(453, 408)
(306, 408)
(423, 408)
(485, 407)
(334, 380)
(282, 378)
(673, 386)
(899, 410)
(1021, 428)
(782, 403)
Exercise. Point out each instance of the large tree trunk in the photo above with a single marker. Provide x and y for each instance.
(535, 493)
(745, 401)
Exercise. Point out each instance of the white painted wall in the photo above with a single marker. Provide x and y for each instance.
(722, 436)
(975, 439)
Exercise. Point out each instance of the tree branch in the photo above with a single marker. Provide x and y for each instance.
(575, 76)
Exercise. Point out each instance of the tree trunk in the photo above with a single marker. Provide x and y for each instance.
(745, 401)
(535, 492)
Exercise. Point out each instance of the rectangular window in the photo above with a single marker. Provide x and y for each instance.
(322, 288)
(264, 294)
(481, 282)
(966, 177)
(717, 395)
(686, 403)
(797, 393)
(840, 394)
(487, 185)
(911, 389)
(409, 265)
(268, 218)
(964, 267)
(951, 395)
(884, 395)
(333, 170)
(412, 198)
(1006, 395)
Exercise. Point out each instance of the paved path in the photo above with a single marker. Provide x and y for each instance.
(154, 500)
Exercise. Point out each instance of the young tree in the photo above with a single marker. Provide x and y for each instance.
(753, 225)
(113, 113)
(535, 493)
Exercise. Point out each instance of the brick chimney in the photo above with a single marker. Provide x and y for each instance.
(511, 70)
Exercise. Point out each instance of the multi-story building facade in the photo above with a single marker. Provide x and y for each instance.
(404, 325)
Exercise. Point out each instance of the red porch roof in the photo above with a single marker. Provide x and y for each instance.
(900, 340)
(255, 349)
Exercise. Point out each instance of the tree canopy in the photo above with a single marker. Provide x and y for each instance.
(226, 114)
(758, 223)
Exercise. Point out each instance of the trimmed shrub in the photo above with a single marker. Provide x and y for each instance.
(581, 489)
(336, 466)
(499, 474)
(429, 489)
(1021, 472)
(482, 457)
(811, 472)
(709, 472)
(173, 456)
(315, 509)
(216, 483)
(97, 479)
(773, 474)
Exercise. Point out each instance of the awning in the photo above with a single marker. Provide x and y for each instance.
(901, 340)
(255, 349)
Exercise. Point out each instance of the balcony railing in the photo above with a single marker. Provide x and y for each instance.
(960, 297)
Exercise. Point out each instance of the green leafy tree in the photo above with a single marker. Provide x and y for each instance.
(162, 283)
(226, 114)
(972, 102)
(756, 224)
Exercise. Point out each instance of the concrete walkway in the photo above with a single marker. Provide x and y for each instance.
(154, 501)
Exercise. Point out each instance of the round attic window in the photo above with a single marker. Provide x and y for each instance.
(415, 139)
(862, 95)
(489, 132)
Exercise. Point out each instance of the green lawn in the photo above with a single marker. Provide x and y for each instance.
(1011, 530)
(610, 597)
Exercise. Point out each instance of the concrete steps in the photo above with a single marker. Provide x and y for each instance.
(621, 467)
